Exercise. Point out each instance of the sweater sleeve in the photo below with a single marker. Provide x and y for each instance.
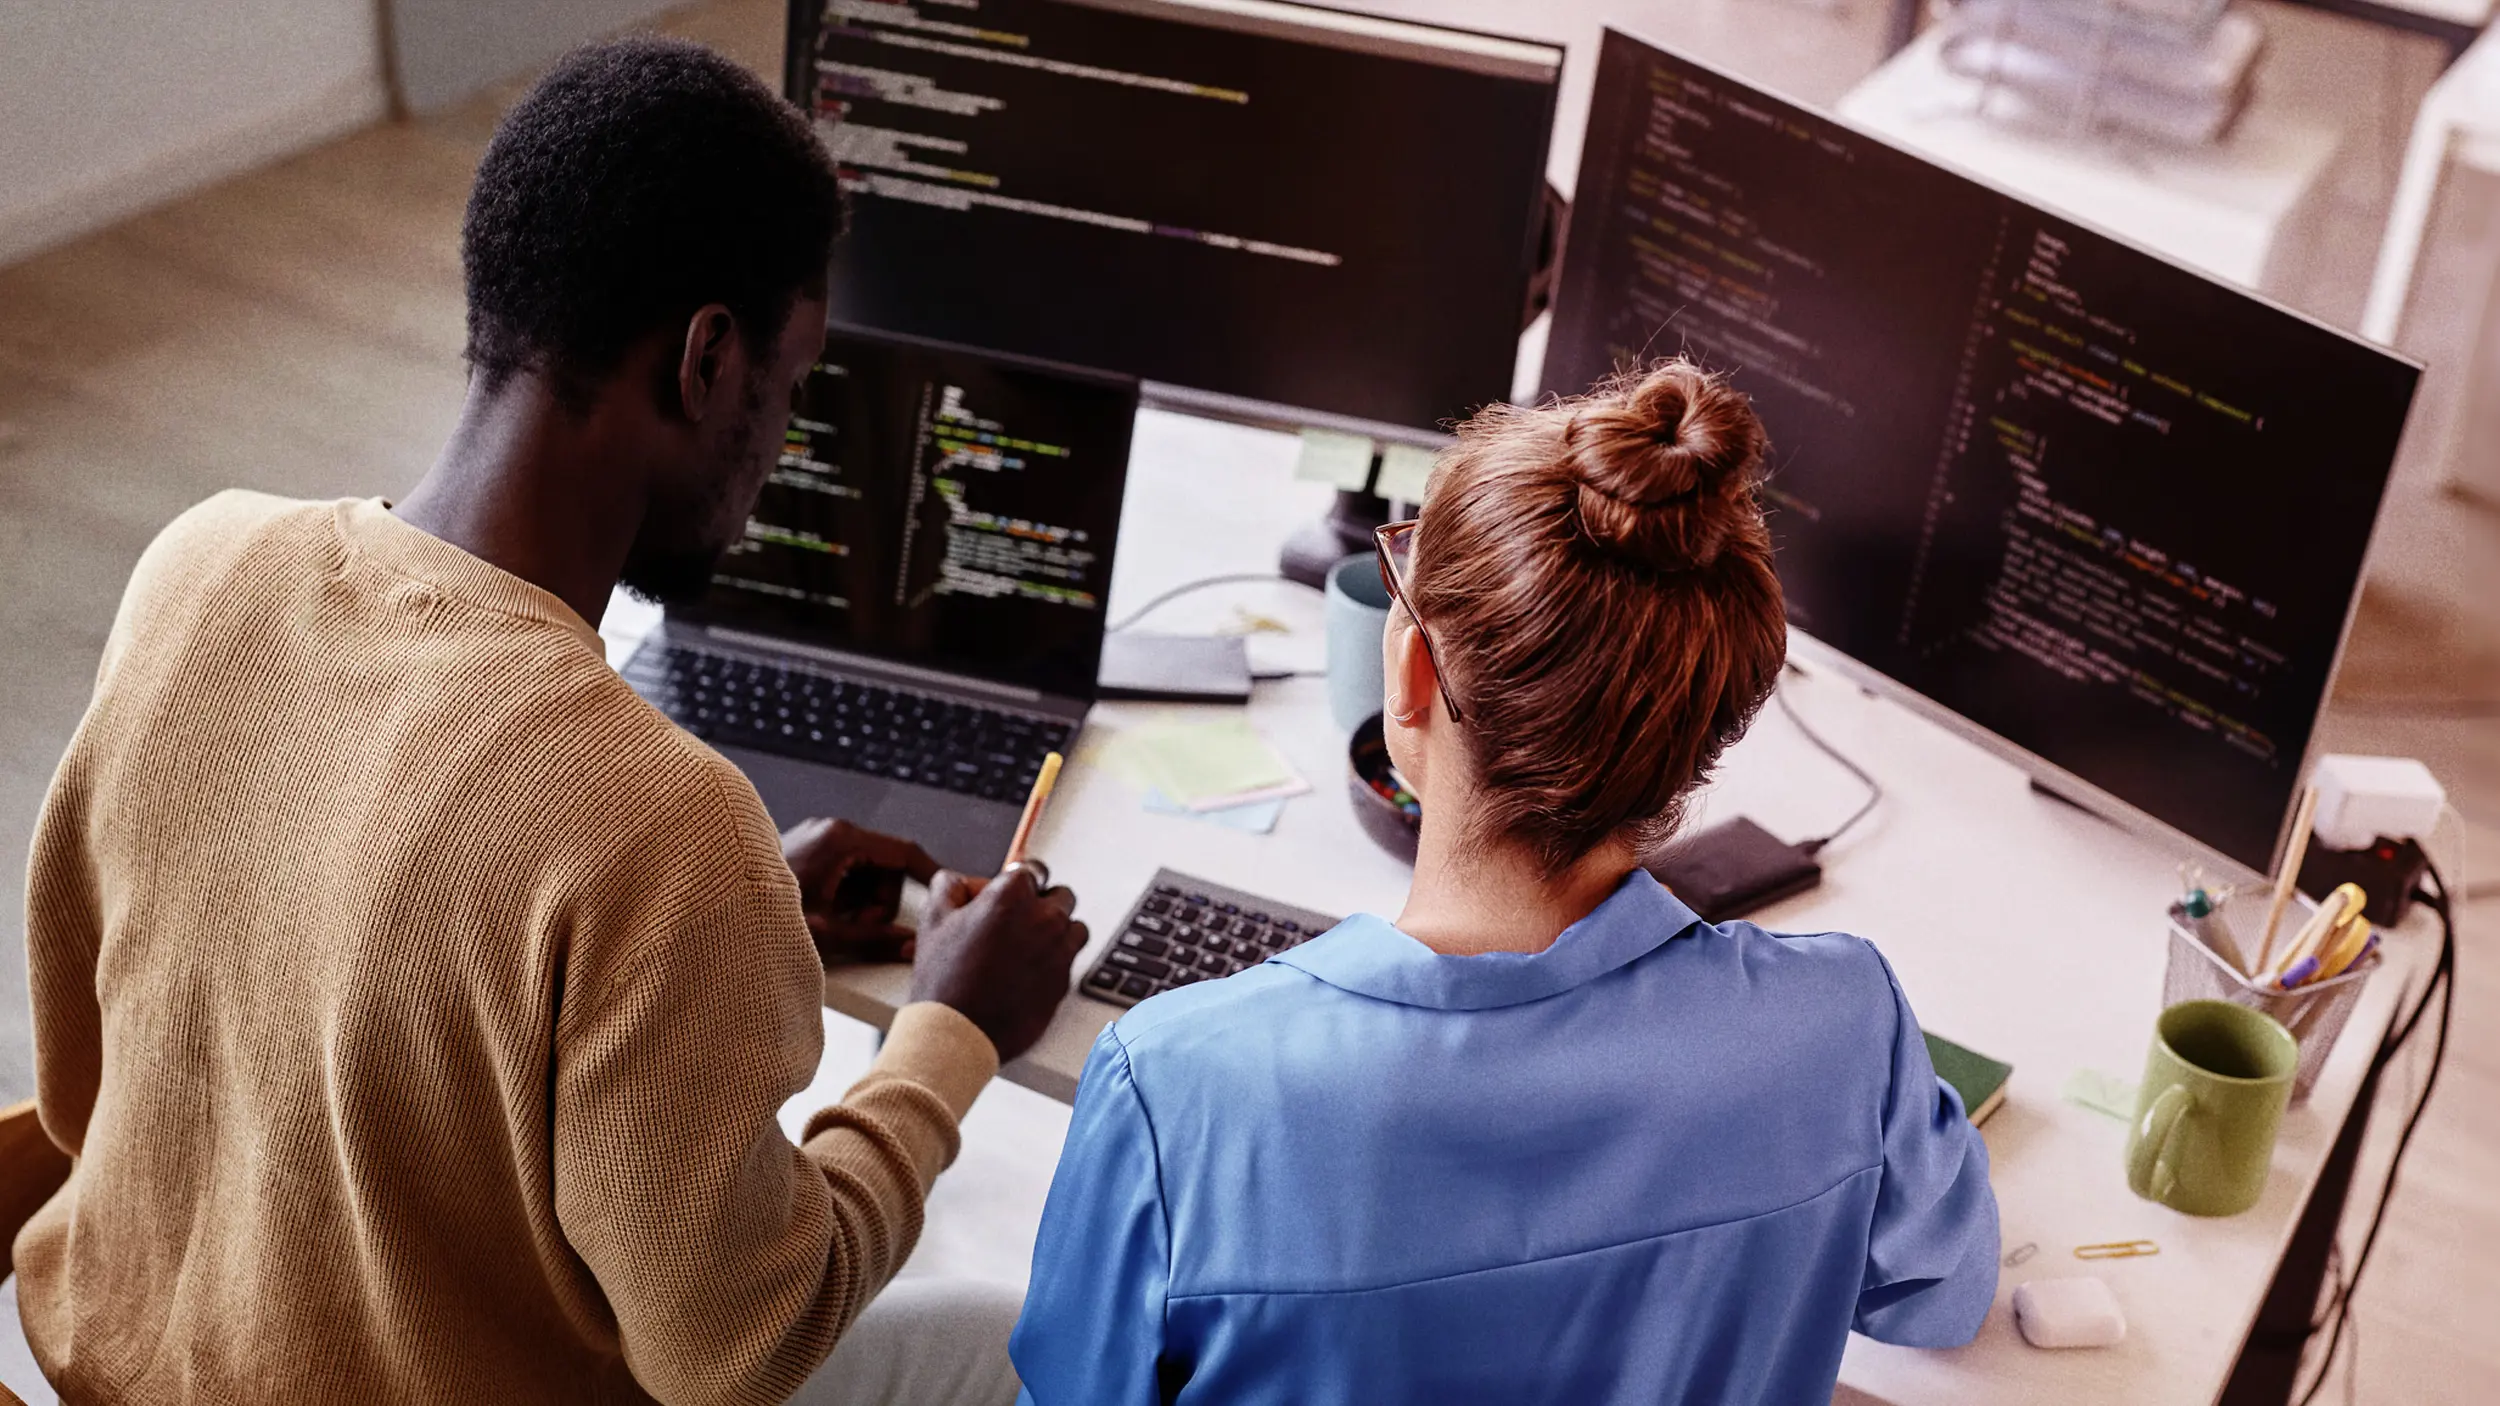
(1092, 1331)
(731, 1259)
(64, 933)
(1931, 1258)
(66, 888)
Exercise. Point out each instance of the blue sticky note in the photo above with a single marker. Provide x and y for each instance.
(1256, 818)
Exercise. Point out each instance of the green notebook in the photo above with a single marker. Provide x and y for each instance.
(1978, 1079)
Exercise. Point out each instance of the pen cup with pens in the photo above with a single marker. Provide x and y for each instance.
(2310, 979)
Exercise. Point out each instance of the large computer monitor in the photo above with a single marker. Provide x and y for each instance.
(2101, 512)
(1268, 211)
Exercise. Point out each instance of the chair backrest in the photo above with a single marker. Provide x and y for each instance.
(31, 1169)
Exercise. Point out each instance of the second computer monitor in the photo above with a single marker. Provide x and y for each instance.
(1272, 207)
(2093, 505)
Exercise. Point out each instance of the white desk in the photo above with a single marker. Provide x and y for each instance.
(2249, 208)
(2018, 925)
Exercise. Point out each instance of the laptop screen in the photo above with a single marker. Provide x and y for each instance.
(939, 507)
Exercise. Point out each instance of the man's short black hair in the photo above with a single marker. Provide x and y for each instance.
(640, 180)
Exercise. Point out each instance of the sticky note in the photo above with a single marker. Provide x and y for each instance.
(1339, 460)
(1194, 763)
(1256, 818)
(2102, 1092)
(1403, 470)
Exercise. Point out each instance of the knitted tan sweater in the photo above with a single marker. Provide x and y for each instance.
(417, 1004)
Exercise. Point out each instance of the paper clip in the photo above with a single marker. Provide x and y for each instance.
(2117, 1250)
(2021, 1253)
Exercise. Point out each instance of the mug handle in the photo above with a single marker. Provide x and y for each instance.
(2149, 1168)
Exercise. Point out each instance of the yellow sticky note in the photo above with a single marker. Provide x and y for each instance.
(1339, 460)
(1404, 468)
(1192, 761)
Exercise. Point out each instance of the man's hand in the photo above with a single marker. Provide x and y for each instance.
(998, 950)
(851, 886)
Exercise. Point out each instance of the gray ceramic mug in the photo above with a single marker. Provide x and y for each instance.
(1356, 613)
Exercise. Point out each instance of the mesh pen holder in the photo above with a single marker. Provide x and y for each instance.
(2315, 1013)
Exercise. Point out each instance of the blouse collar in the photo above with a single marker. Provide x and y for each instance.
(1370, 956)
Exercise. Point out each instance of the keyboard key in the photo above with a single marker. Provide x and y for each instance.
(1137, 986)
(1147, 922)
(1104, 979)
(1137, 962)
(1151, 946)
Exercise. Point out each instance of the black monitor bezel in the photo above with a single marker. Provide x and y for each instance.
(1208, 403)
(2048, 775)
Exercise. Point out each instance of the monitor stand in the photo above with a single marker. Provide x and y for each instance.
(1345, 530)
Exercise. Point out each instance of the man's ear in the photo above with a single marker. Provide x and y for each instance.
(703, 367)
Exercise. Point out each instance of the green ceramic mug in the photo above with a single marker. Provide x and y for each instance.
(2215, 1084)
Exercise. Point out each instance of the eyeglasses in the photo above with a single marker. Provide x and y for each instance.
(1395, 545)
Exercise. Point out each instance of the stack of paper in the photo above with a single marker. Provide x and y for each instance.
(1220, 770)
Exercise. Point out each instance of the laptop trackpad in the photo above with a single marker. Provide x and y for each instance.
(965, 833)
(794, 791)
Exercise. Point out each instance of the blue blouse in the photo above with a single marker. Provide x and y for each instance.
(1660, 1161)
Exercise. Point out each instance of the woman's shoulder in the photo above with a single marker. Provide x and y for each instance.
(1204, 1018)
(1839, 980)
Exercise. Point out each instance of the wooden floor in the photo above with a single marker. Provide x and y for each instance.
(298, 330)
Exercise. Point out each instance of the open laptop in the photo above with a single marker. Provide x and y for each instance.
(915, 616)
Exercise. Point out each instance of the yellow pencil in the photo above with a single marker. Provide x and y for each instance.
(1033, 804)
(2283, 881)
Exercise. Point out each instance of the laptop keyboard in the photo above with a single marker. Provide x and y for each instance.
(873, 729)
(1186, 930)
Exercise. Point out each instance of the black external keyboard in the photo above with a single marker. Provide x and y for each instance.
(857, 726)
(1185, 930)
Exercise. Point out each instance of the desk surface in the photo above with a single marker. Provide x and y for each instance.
(2018, 925)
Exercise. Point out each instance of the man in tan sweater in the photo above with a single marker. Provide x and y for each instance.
(416, 1001)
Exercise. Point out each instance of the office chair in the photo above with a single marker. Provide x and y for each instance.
(31, 1169)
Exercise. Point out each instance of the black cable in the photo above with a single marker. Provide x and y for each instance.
(2443, 985)
(1874, 788)
(1200, 584)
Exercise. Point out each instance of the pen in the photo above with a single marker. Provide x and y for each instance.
(2339, 908)
(2200, 911)
(2338, 954)
(1043, 783)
